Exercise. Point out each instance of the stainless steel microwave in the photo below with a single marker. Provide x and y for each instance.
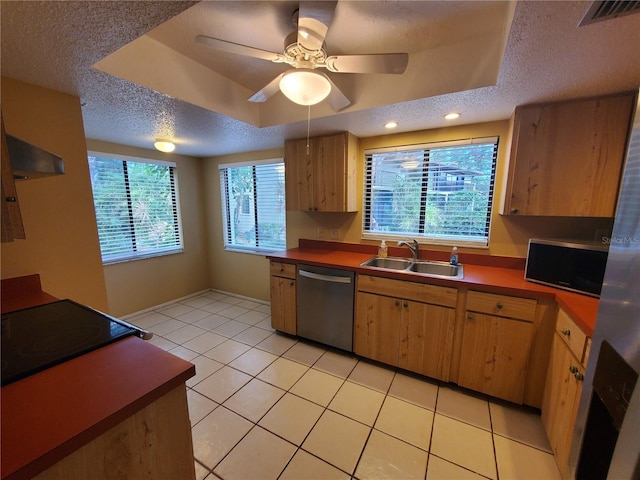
(574, 265)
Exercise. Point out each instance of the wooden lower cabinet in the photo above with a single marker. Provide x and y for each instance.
(154, 442)
(562, 394)
(283, 297)
(426, 339)
(494, 358)
(376, 332)
(413, 335)
(560, 404)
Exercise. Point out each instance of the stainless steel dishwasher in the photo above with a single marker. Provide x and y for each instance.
(325, 305)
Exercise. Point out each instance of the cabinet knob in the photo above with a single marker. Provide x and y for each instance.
(499, 306)
(397, 303)
(291, 283)
(573, 369)
(469, 316)
(514, 211)
(405, 304)
(566, 331)
(579, 376)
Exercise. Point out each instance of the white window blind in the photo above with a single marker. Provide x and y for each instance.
(441, 193)
(136, 204)
(253, 205)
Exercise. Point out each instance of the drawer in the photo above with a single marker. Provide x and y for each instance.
(420, 292)
(502, 305)
(280, 269)
(571, 334)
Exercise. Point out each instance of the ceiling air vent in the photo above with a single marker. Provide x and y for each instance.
(608, 9)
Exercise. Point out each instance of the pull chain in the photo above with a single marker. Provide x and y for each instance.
(308, 123)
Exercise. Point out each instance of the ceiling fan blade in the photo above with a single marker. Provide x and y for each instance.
(394, 63)
(337, 100)
(267, 91)
(313, 22)
(238, 49)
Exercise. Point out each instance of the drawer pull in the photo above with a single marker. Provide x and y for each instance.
(579, 376)
(566, 331)
(499, 306)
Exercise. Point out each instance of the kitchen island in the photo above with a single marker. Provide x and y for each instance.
(117, 412)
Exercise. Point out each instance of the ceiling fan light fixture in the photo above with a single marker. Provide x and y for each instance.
(164, 146)
(305, 86)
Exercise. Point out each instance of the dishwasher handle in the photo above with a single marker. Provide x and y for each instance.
(324, 278)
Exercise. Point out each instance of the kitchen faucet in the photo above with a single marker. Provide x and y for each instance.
(414, 248)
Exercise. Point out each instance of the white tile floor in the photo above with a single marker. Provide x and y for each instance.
(267, 406)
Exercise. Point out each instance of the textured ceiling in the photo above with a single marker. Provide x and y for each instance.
(546, 57)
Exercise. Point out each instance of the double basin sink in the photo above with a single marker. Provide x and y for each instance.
(427, 268)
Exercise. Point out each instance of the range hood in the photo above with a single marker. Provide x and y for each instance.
(29, 161)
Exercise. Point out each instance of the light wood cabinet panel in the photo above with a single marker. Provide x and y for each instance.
(12, 227)
(495, 351)
(376, 332)
(283, 297)
(572, 335)
(502, 305)
(566, 157)
(414, 335)
(155, 442)
(560, 403)
(420, 292)
(320, 173)
(426, 339)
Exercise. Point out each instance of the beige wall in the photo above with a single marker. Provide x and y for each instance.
(136, 285)
(247, 274)
(241, 273)
(57, 212)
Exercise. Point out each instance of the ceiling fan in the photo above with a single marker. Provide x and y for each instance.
(304, 50)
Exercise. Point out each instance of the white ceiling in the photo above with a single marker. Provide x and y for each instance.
(463, 56)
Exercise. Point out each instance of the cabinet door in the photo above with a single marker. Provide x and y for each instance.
(376, 330)
(560, 404)
(298, 175)
(283, 304)
(329, 173)
(566, 157)
(494, 355)
(426, 339)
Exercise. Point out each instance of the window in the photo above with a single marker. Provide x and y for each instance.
(136, 205)
(253, 205)
(437, 192)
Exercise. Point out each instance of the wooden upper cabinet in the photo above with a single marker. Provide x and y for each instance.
(12, 226)
(567, 157)
(321, 177)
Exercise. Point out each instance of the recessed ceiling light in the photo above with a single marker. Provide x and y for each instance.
(391, 124)
(452, 116)
(164, 146)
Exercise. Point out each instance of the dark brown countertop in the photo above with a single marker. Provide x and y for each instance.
(481, 272)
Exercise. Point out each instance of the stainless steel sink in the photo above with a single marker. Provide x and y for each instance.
(388, 263)
(440, 269)
(425, 268)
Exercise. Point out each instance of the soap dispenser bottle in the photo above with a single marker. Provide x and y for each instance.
(382, 251)
(454, 256)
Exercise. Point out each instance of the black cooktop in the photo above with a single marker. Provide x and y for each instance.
(37, 338)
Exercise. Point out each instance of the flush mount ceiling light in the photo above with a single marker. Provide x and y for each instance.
(391, 124)
(305, 86)
(452, 116)
(164, 146)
